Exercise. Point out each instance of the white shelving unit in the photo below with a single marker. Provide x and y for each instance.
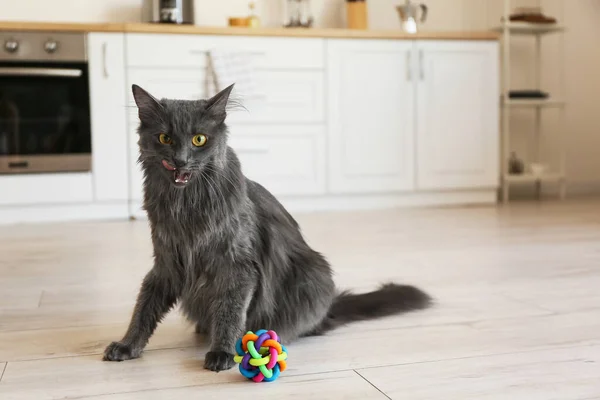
(537, 32)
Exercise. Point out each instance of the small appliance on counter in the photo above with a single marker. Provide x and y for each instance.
(168, 11)
(409, 15)
(298, 14)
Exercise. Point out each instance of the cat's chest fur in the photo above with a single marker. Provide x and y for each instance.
(183, 216)
(195, 228)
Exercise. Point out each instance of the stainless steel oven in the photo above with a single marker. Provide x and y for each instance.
(44, 103)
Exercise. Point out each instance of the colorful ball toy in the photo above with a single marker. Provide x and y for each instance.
(261, 356)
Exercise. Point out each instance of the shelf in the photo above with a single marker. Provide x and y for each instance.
(534, 103)
(530, 178)
(525, 28)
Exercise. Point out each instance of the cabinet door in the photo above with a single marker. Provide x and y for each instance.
(108, 115)
(458, 127)
(371, 120)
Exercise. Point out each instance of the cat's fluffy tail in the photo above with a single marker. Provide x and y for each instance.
(389, 299)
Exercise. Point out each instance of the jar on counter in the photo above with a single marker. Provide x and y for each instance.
(356, 11)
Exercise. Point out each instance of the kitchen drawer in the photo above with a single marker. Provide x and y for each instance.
(38, 189)
(289, 96)
(168, 83)
(291, 164)
(190, 51)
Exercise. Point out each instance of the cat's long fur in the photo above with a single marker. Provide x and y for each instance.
(225, 249)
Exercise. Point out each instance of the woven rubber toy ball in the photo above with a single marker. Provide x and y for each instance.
(261, 355)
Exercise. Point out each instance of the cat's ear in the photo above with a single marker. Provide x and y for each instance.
(217, 105)
(149, 107)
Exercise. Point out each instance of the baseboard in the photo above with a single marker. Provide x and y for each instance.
(371, 202)
(551, 190)
(10, 215)
(584, 189)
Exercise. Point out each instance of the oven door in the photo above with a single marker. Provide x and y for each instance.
(44, 118)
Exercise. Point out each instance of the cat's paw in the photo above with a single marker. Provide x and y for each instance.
(218, 361)
(117, 351)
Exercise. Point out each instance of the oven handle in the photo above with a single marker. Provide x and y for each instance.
(57, 72)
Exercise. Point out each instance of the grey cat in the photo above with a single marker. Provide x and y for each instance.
(224, 248)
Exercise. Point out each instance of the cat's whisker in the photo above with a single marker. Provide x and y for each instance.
(220, 174)
(218, 194)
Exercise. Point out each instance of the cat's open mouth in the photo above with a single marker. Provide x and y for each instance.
(180, 177)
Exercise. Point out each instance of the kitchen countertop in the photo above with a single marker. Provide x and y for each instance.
(275, 32)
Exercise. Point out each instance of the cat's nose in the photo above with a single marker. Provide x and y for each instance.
(179, 163)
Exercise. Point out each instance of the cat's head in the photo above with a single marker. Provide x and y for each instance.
(181, 137)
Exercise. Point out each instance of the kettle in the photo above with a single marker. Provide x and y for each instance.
(408, 15)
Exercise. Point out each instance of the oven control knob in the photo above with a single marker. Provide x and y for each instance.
(11, 45)
(51, 46)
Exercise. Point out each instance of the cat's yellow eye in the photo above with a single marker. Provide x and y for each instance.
(165, 139)
(199, 140)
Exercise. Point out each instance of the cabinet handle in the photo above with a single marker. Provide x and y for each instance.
(105, 59)
(421, 67)
(60, 72)
(408, 66)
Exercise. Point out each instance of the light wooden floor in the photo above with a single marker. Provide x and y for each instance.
(518, 314)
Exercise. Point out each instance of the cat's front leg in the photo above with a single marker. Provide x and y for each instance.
(228, 320)
(158, 294)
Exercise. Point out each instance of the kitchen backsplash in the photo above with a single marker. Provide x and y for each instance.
(444, 14)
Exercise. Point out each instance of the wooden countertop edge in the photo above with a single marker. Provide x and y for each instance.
(230, 31)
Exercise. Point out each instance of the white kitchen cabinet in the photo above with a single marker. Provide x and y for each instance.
(371, 116)
(108, 116)
(191, 51)
(457, 108)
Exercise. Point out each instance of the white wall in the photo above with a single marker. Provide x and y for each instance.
(581, 58)
(71, 10)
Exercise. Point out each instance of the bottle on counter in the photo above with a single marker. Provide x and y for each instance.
(356, 11)
(253, 20)
(298, 14)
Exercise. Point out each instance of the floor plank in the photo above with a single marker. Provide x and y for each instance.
(560, 374)
(333, 385)
(2, 369)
